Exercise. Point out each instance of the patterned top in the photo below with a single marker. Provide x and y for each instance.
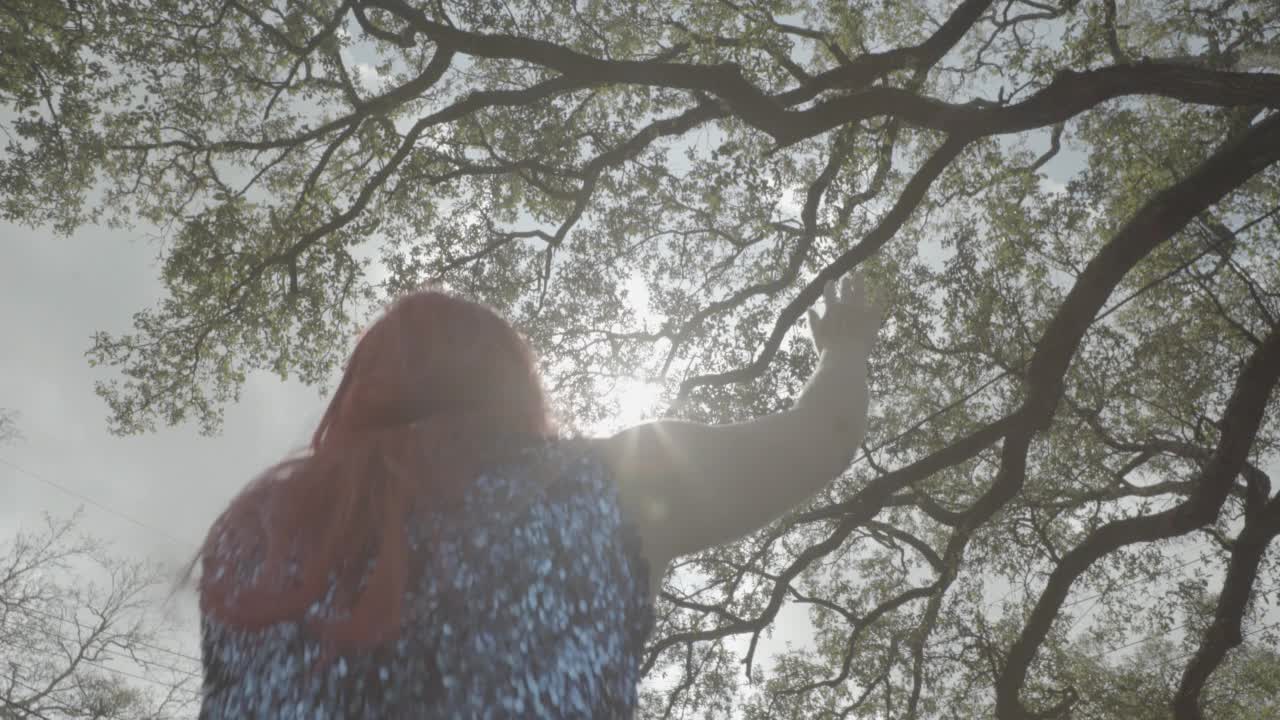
(534, 604)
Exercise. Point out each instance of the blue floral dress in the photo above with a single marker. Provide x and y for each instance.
(533, 604)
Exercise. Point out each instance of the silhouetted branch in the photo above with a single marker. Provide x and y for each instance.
(1224, 632)
(1167, 212)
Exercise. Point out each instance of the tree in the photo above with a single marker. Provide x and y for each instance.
(1247, 688)
(73, 646)
(1073, 203)
(8, 426)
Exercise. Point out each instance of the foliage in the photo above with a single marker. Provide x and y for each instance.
(1074, 204)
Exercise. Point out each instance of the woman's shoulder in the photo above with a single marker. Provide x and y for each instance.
(547, 488)
(552, 461)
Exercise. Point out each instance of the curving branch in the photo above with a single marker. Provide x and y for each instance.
(1261, 527)
(1241, 420)
(1068, 95)
(910, 198)
(1159, 219)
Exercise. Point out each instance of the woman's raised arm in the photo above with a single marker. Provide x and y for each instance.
(690, 486)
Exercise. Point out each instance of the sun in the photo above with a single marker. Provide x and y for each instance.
(637, 401)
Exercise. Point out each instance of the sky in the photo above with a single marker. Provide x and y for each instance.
(58, 291)
(151, 496)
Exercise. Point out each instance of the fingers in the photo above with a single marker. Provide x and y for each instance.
(853, 291)
(813, 320)
(852, 294)
(854, 312)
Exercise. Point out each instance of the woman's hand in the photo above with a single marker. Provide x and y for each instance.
(851, 321)
(836, 395)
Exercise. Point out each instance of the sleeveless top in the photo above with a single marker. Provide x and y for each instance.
(533, 603)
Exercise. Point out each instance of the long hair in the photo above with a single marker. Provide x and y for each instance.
(429, 388)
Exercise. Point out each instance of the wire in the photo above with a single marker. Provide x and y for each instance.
(1255, 631)
(117, 653)
(1102, 593)
(124, 673)
(936, 414)
(26, 712)
(95, 503)
(1131, 583)
(16, 706)
(77, 623)
(1184, 656)
(1104, 313)
(49, 690)
(158, 648)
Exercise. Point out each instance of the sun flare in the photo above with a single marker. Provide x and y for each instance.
(637, 401)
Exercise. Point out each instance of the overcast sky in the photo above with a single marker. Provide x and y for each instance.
(54, 293)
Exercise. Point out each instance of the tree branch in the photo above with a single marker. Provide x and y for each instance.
(1241, 421)
(1224, 632)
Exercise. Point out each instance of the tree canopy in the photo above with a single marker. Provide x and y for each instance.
(1074, 204)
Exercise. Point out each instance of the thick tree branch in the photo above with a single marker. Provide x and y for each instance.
(1241, 421)
(1224, 632)
(1159, 219)
(912, 194)
(865, 69)
(1070, 94)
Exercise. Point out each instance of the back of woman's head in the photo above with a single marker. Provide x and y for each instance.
(433, 357)
(430, 390)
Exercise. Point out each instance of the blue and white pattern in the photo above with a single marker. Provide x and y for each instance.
(533, 603)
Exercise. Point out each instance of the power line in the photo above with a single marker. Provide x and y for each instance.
(123, 516)
(26, 712)
(125, 673)
(158, 648)
(1170, 631)
(95, 503)
(1251, 633)
(936, 414)
(1131, 583)
(51, 689)
(117, 653)
(1102, 593)
(1006, 373)
(20, 708)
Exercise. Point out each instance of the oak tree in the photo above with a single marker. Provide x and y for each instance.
(1074, 205)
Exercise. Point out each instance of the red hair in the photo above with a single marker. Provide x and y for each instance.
(430, 386)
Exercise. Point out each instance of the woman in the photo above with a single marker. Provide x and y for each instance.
(439, 552)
